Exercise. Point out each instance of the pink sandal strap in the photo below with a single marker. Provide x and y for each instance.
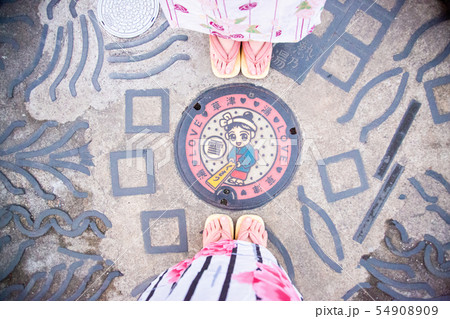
(246, 234)
(221, 52)
(250, 55)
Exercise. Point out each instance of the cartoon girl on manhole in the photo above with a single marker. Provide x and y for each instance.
(240, 130)
(237, 146)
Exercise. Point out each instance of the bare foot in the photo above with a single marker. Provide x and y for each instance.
(260, 66)
(223, 66)
(255, 45)
(216, 230)
(253, 231)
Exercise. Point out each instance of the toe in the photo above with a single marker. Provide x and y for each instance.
(226, 229)
(244, 228)
(210, 227)
(207, 234)
(216, 224)
(224, 67)
(246, 223)
(215, 237)
(229, 67)
(264, 238)
(254, 226)
(212, 232)
(251, 67)
(259, 228)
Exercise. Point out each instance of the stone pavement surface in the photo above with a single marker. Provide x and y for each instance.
(365, 216)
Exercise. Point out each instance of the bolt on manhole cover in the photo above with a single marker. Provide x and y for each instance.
(127, 18)
(237, 146)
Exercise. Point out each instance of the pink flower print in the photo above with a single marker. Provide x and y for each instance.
(217, 34)
(269, 283)
(305, 13)
(248, 6)
(223, 247)
(229, 26)
(215, 25)
(176, 271)
(237, 36)
(278, 33)
(179, 7)
(312, 29)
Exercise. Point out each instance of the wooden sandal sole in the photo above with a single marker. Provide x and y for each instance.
(236, 69)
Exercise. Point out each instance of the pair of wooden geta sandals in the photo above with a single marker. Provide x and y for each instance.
(242, 55)
(238, 234)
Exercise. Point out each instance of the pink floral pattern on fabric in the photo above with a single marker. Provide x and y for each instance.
(217, 34)
(248, 6)
(227, 26)
(270, 283)
(307, 9)
(217, 26)
(246, 20)
(223, 247)
(179, 7)
(176, 271)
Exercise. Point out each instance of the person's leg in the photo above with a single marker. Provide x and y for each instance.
(261, 64)
(258, 55)
(216, 229)
(218, 241)
(223, 67)
(224, 54)
(267, 279)
(252, 230)
(226, 269)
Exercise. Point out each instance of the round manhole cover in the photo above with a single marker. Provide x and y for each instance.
(237, 146)
(127, 18)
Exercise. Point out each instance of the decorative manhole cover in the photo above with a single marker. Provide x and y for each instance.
(127, 18)
(237, 146)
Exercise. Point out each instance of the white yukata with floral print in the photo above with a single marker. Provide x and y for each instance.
(264, 20)
(225, 270)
